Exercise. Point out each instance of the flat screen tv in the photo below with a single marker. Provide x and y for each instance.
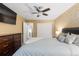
(7, 15)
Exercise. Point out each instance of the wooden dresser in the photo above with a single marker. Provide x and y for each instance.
(9, 44)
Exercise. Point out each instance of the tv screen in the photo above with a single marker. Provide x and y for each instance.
(7, 15)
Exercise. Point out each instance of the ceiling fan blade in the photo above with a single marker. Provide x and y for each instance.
(45, 14)
(46, 10)
(37, 9)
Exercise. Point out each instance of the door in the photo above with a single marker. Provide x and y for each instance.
(27, 31)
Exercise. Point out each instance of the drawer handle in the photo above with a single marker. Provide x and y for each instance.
(5, 45)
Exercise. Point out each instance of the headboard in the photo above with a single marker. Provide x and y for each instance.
(71, 30)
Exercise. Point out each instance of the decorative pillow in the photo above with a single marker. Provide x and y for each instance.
(70, 38)
(76, 41)
(61, 38)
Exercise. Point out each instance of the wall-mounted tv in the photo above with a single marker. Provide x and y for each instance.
(7, 15)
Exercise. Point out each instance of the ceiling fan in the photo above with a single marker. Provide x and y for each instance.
(39, 11)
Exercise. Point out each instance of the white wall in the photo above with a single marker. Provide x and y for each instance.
(44, 30)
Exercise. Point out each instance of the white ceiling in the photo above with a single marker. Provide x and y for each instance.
(26, 9)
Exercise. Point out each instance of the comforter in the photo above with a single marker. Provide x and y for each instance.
(47, 47)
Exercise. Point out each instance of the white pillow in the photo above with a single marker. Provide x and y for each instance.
(76, 41)
(70, 38)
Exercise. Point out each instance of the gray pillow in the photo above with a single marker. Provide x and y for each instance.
(61, 38)
(76, 41)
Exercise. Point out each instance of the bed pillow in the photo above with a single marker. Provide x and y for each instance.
(70, 38)
(76, 41)
(61, 38)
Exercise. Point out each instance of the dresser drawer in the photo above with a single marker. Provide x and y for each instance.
(8, 51)
(4, 38)
(6, 47)
(5, 44)
(17, 44)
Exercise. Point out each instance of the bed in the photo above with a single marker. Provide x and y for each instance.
(47, 47)
(50, 47)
